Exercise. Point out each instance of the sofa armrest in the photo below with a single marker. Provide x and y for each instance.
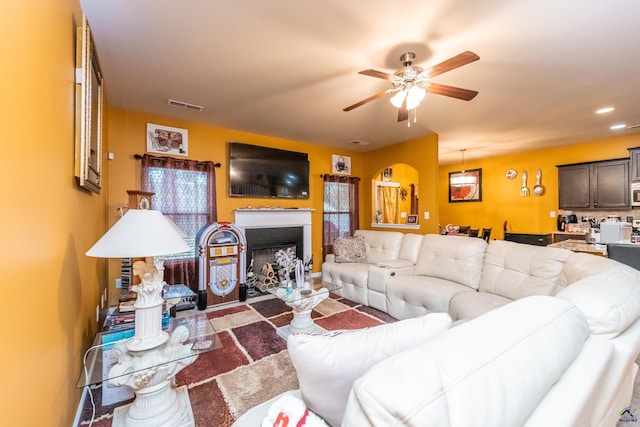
(379, 275)
(377, 284)
(395, 263)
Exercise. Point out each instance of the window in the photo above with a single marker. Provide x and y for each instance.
(185, 192)
(340, 211)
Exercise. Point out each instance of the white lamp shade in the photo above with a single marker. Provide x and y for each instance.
(397, 99)
(414, 96)
(139, 233)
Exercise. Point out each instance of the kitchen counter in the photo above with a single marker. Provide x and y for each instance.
(559, 236)
(581, 246)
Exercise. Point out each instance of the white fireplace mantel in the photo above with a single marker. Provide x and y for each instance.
(277, 217)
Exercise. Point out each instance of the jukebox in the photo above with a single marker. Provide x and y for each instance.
(222, 266)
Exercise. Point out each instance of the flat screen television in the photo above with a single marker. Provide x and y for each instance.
(256, 171)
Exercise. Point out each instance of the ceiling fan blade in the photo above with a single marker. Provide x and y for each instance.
(403, 113)
(379, 74)
(450, 64)
(364, 101)
(452, 91)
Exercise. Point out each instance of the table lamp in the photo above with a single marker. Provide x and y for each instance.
(149, 234)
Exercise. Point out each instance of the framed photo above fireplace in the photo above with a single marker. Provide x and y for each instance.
(465, 186)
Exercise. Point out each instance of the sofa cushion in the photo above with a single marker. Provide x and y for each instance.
(466, 305)
(454, 258)
(381, 245)
(610, 300)
(327, 365)
(515, 270)
(410, 247)
(411, 296)
(350, 249)
(470, 376)
(581, 265)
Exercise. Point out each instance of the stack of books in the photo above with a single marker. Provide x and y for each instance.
(124, 316)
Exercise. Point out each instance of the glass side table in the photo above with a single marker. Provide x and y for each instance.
(178, 298)
(302, 301)
(150, 373)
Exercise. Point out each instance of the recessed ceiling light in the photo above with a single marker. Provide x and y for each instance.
(618, 126)
(605, 110)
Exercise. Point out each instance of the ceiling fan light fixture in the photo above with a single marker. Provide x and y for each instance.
(397, 99)
(411, 83)
(415, 96)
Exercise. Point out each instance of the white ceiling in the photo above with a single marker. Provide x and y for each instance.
(287, 68)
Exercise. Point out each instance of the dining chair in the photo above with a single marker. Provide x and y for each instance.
(486, 233)
(473, 232)
(464, 229)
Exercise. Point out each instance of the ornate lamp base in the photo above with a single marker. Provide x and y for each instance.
(151, 374)
(178, 414)
(302, 308)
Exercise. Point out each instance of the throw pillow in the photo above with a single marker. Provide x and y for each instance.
(350, 249)
(327, 365)
(290, 411)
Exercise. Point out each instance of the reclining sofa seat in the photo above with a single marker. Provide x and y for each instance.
(511, 271)
(388, 248)
(446, 266)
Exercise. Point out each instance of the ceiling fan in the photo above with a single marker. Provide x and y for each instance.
(411, 83)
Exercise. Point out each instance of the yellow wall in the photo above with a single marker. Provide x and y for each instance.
(421, 154)
(49, 287)
(127, 137)
(501, 200)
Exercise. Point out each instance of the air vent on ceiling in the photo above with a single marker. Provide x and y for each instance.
(185, 105)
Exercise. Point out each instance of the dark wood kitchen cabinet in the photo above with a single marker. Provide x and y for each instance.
(634, 154)
(596, 185)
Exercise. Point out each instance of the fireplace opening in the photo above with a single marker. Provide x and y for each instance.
(263, 243)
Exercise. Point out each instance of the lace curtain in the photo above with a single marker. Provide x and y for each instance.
(185, 191)
(340, 212)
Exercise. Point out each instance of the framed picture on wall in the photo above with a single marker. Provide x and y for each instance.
(167, 140)
(465, 186)
(412, 219)
(89, 99)
(340, 165)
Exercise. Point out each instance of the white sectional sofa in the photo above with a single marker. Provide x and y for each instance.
(544, 337)
(414, 275)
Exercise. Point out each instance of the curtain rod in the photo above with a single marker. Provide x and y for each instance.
(322, 175)
(139, 157)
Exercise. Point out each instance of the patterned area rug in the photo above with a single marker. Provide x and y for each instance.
(253, 365)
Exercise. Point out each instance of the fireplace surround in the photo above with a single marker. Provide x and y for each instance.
(276, 227)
